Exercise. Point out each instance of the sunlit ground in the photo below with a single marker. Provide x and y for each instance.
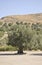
(12, 58)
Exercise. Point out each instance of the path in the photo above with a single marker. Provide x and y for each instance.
(31, 58)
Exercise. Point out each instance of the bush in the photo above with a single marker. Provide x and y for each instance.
(8, 48)
(1, 33)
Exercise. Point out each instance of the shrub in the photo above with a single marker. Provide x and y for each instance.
(8, 48)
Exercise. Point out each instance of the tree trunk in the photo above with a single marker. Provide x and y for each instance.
(20, 51)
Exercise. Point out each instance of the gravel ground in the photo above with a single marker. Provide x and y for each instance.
(30, 58)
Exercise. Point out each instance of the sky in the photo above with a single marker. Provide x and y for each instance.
(20, 7)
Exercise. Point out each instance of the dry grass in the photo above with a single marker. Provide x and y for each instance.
(31, 18)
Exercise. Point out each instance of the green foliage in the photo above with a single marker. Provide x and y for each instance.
(1, 23)
(22, 35)
(1, 33)
(7, 48)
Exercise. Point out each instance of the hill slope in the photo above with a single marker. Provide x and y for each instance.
(32, 18)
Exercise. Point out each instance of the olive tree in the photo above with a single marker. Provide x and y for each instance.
(19, 36)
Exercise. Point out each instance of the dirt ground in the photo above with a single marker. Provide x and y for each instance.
(30, 58)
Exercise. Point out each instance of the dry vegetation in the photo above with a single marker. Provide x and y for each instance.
(31, 18)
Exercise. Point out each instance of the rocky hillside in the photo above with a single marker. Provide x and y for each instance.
(30, 18)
